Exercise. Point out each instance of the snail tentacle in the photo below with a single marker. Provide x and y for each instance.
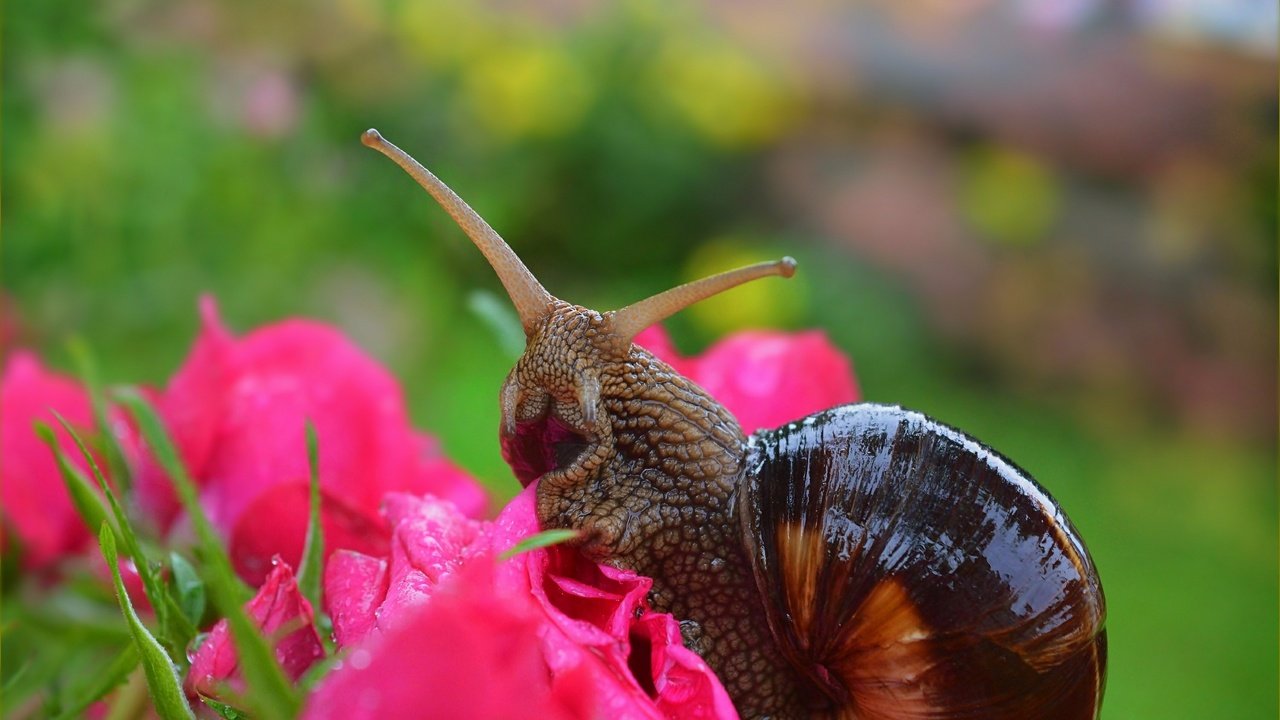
(630, 320)
(532, 301)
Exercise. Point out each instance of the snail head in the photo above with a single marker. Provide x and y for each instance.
(556, 420)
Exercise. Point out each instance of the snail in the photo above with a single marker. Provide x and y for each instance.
(863, 562)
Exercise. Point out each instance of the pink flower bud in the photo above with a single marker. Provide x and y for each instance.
(285, 618)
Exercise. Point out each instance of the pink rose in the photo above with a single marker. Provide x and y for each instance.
(36, 505)
(286, 620)
(237, 410)
(765, 378)
(469, 653)
(590, 624)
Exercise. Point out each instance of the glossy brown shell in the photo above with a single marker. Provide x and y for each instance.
(911, 572)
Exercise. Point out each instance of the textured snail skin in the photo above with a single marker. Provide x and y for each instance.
(864, 563)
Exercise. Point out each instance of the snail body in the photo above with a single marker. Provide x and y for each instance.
(863, 562)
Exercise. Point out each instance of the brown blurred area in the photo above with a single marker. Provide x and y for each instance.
(1083, 200)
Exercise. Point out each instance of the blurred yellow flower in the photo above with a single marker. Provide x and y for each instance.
(445, 32)
(729, 97)
(527, 90)
(760, 304)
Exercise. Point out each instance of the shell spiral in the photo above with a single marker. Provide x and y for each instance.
(908, 571)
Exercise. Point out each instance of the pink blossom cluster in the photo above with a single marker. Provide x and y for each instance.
(431, 613)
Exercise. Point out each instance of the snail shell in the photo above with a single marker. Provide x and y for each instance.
(909, 571)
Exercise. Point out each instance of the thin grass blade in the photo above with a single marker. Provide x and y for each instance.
(111, 448)
(162, 674)
(546, 538)
(501, 319)
(175, 630)
(224, 710)
(84, 497)
(311, 567)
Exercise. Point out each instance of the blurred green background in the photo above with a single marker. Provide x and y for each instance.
(1052, 224)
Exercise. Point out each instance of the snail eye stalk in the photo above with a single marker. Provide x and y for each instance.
(630, 320)
(532, 301)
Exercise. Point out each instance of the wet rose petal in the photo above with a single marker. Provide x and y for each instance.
(765, 378)
(681, 678)
(355, 586)
(469, 653)
(594, 610)
(285, 618)
(430, 539)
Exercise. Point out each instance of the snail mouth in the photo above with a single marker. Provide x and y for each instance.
(540, 446)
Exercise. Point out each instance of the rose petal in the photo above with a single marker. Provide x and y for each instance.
(355, 586)
(469, 653)
(430, 534)
(591, 610)
(275, 524)
(33, 498)
(431, 539)
(685, 686)
(285, 618)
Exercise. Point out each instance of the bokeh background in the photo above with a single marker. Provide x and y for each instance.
(1051, 223)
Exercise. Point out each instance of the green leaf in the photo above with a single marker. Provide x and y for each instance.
(175, 631)
(546, 538)
(269, 690)
(103, 682)
(188, 587)
(224, 710)
(12, 682)
(111, 449)
(179, 628)
(127, 536)
(501, 319)
(162, 674)
(85, 499)
(310, 569)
